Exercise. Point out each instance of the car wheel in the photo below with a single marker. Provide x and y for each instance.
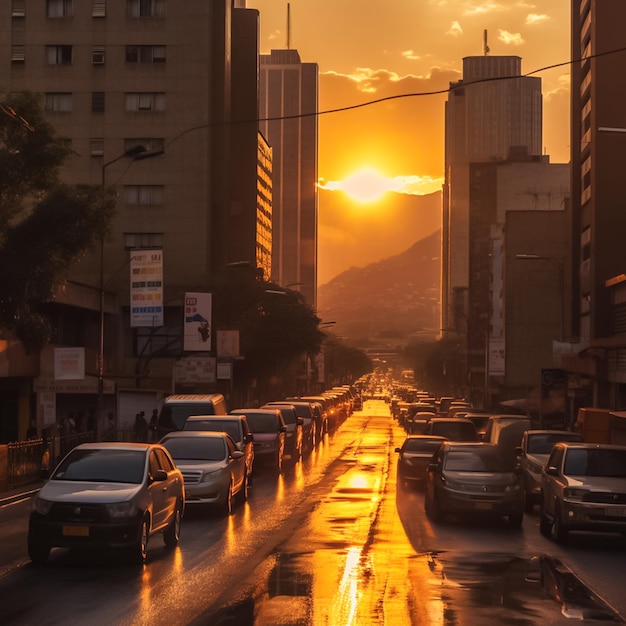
(227, 505)
(38, 552)
(171, 535)
(139, 551)
(515, 520)
(243, 493)
(545, 526)
(559, 530)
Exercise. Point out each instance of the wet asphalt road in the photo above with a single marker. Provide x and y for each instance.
(333, 541)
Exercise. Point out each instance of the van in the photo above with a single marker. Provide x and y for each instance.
(178, 407)
(506, 432)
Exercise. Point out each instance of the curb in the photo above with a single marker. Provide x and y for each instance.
(10, 498)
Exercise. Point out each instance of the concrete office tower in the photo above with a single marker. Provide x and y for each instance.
(598, 145)
(288, 107)
(490, 111)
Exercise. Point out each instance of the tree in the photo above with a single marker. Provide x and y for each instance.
(45, 226)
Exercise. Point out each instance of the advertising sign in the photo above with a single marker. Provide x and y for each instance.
(146, 288)
(69, 363)
(197, 323)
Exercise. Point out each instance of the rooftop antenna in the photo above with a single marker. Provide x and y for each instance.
(288, 26)
(485, 46)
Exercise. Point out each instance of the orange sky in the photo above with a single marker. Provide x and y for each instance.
(368, 50)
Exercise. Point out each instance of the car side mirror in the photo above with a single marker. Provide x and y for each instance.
(300, 421)
(248, 438)
(519, 451)
(397, 449)
(551, 470)
(237, 454)
(159, 476)
(432, 467)
(283, 429)
(44, 474)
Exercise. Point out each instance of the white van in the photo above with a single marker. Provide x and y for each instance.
(178, 407)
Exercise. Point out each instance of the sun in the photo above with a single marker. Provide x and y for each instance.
(367, 185)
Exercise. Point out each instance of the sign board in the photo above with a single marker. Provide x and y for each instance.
(197, 322)
(228, 343)
(224, 371)
(497, 354)
(146, 288)
(69, 363)
(199, 369)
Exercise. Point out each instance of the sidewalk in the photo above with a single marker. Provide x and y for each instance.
(19, 493)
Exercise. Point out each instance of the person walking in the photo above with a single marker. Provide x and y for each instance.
(140, 428)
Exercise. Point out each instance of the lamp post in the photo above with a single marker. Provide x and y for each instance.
(135, 153)
(558, 264)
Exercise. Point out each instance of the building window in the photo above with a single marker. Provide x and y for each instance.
(18, 54)
(19, 8)
(58, 102)
(144, 195)
(151, 144)
(59, 55)
(97, 147)
(143, 241)
(59, 8)
(145, 54)
(97, 101)
(146, 8)
(99, 8)
(145, 102)
(97, 55)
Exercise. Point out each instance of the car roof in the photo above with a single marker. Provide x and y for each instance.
(437, 437)
(115, 445)
(590, 446)
(204, 434)
(268, 410)
(449, 420)
(202, 418)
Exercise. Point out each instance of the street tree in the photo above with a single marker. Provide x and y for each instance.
(46, 226)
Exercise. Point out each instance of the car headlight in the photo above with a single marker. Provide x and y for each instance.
(42, 506)
(122, 509)
(574, 493)
(512, 487)
(207, 474)
(451, 484)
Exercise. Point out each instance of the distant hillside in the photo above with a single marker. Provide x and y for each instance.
(386, 303)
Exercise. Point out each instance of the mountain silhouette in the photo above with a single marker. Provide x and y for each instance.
(388, 303)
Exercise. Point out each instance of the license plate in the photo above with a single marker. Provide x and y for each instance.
(615, 512)
(76, 531)
(483, 506)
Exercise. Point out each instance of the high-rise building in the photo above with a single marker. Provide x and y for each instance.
(491, 110)
(288, 119)
(177, 78)
(598, 145)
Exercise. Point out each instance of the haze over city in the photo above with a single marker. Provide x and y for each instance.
(403, 65)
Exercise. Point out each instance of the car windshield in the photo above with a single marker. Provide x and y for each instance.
(474, 461)
(595, 462)
(289, 414)
(421, 445)
(222, 426)
(103, 466)
(196, 448)
(542, 443)
(455, 431)
(262, 423)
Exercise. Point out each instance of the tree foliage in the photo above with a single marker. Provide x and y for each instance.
(45, 226)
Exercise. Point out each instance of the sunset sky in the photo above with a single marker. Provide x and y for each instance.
(368, 50)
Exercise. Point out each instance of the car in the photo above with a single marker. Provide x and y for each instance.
(213, 468)
(268, 432)
(473, 478)
(235, 425)
(418, 423)
(304, 410)
(533, 452)
(583, 488)
(108, 495)
(452, 428)
(178, 407)
(415, 455)
(294, 440)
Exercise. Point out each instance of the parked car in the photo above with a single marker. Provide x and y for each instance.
(235, 425)
(533, 452)
(305, 411)
(414, 456)
(178, 407)
(452, 428)
(268, 432)
(584, 488)
(294, 437)
(113, 495)
(214, 469)
(473, 478)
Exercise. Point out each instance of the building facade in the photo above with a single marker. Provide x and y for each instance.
(288, 119)
(172, 77)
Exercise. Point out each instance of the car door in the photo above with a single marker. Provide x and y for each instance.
(158, 493)
(237, 465)
(552, 486)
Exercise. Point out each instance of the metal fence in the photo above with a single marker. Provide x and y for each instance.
(25, 461)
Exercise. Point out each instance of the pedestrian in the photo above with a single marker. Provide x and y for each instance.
(140, 427)
(153, 424)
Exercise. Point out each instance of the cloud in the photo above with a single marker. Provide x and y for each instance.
(484, 7)
(410, 54)
(409, 185)
(514, 39)
(455, 29)
(369, 80)
(563, 88)
(535, 18)
(274, 35)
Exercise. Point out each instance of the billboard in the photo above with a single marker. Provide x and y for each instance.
(146, 288)
(197, 322)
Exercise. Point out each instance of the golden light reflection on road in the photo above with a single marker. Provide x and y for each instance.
(344, 605)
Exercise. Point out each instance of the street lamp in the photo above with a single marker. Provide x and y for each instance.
(135, 153)
(558, 263)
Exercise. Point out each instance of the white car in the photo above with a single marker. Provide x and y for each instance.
(114, 495)
(213, 467)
